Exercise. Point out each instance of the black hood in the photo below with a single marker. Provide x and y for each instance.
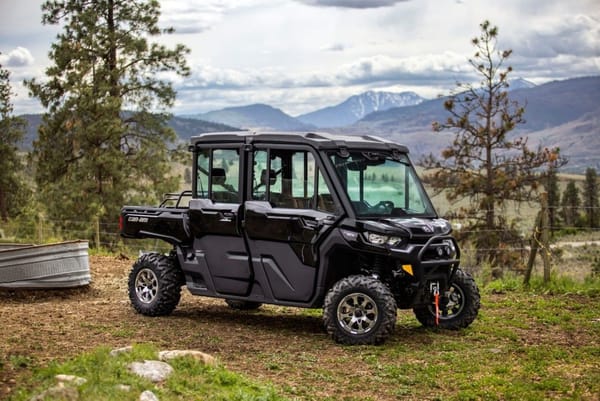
(421, 227)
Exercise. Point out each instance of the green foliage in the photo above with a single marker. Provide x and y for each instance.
(102, 142)
(106, 374)
(485, 164)
(591, 204)
(558, 285)
(571, 202)
(553, 191)
(14, 191)
(596, 267)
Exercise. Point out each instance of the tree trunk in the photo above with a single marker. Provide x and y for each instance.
(112, 51)
(3, 207)
(544, 238)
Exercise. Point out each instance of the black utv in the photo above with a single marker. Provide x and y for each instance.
(307, 220)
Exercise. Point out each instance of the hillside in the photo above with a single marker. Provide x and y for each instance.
(184, 127)
(356, 107)
(255, 117)
(565, 114)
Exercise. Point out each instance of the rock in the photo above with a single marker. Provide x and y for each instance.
(59, 392)
(78, 381)
(148, 396)
(197, 355)
(155, 371)
(123, 387)
(122, 350)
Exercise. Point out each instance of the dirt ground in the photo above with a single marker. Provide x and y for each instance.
(40, 326)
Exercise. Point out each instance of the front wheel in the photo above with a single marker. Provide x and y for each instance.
(155, 285)
(359, 310)
(458, 308)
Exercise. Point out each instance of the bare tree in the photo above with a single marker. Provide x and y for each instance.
(485, 164)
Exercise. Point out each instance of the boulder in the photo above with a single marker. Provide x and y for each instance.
(197, 355)
(155, 371)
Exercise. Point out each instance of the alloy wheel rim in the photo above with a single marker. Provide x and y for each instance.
(357, 313)
(146, 286)
(454, 303)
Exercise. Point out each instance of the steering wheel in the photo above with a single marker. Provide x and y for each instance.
(384, 206)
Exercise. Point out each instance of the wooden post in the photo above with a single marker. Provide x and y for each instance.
(540, 241)
(40, 228)
(535, 241)
(97, 232)
(545, 237)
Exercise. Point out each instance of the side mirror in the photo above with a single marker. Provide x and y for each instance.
(272, 177)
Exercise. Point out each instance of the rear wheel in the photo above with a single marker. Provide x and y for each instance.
(359, 310)
(155, 285)
(458, 307)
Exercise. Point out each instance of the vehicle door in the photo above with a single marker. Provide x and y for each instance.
(289, 211)
(213, 219)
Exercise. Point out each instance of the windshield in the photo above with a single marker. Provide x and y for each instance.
(381, 186)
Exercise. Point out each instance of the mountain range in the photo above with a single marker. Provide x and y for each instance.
(356, 107)
(564, 114)
(261, 117)
(258, 117)
(184, 127)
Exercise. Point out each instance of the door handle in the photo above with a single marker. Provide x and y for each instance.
(226, 217)
(312, 224)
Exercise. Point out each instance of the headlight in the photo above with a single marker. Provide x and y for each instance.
(450, 248)
(379, 239)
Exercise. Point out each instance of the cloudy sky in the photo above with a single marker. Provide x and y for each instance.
(301, 55)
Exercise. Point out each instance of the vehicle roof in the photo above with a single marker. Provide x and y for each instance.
(319, 140)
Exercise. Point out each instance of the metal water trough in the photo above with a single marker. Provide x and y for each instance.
(61, 265)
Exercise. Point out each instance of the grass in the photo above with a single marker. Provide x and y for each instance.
(527, 344)
(108, 378)
(558, 285)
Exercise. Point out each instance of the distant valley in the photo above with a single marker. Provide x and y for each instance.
(564, 114)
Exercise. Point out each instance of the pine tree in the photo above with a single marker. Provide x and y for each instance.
(590, 198)
(571, 202)
(484, 164)
(12, 130)
(551, 187)
(104, 139)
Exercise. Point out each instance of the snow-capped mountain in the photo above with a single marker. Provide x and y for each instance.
(519, 83)
(358, 106)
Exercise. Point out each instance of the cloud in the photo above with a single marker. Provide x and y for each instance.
(192, 17)
(369, 70)
(336, 47)
(352, 3)
(209, 87)
(19, 57)
(425, 68)
(575, 35)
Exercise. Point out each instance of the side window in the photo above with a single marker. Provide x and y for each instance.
(218, 175)
(325, 201)
(203, 171)
(290, 179)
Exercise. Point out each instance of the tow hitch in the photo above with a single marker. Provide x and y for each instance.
(435, 290)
